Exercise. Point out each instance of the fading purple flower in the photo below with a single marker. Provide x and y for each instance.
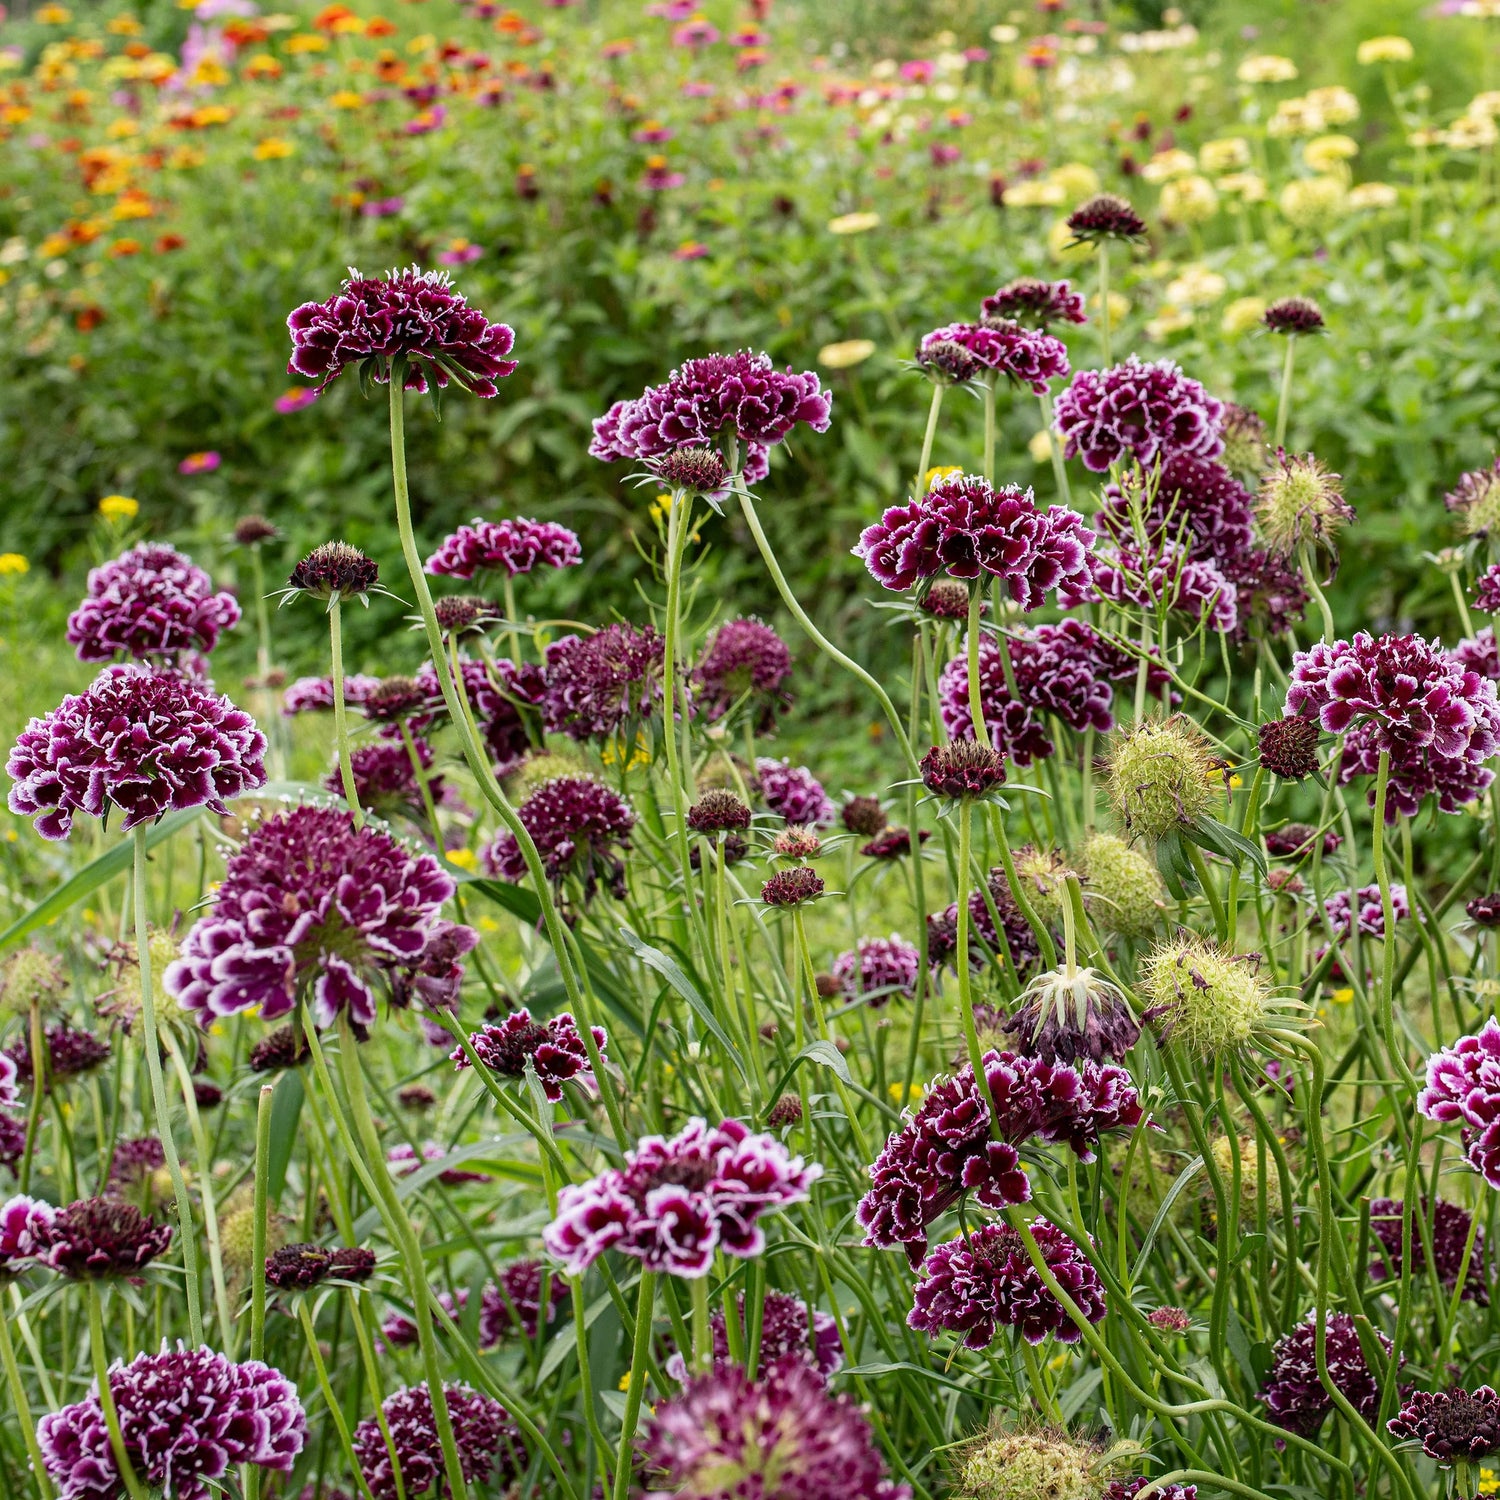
(404, 1159)
(878, 968)
(1453, 1426)
(746, 659)
(580, 828)
(1039, 303)
(1463, 1085)
(490, 1450)
(1027, 356)
(151, 601)
(94, 1237)
(597, 684)
(135, 1161)
(1294, 1395)
(70, 1054)
(892, 843)
(511, 546)
(1449, 1227)
(554, 1048)
(1371, 911)
(515, 1301)
(1014, 936)
(794, 793)
(1296, 840)
(315, 694)
(1478, 653)
(1141, 411)
(789, 1329)
(138, 739)
(397, 1331)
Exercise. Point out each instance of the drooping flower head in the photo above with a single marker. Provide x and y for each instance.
(410, 315)
(598, 684)
(1037, 303)
(297, 1268)
(187, 1417)
(1301, 504)
(1295, 1396)
(512, 546)
(1452, 1426)
(552, 1047)
(489, 1443)
(794, 793)
(515, 1301)
(310, 906)
(788, 1329)
(580, 827)
(1027, 356)
(1147, 412)
(963, 528)
(1106, 216)
(878, 968)
(1463, 1087)
(745, 660)
(784, 1436)
(676, 1201)
(150, 603)
(1449, 1226)
(1475, 499)
(142, 740)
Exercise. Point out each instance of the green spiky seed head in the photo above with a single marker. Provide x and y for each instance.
(543, 767)
(1301, 503)
(1122, 887)
(1203, 1000)
(1161, 777)
(1043, 874)
(1223, 1155)
(1043, 1465)
(31, 978)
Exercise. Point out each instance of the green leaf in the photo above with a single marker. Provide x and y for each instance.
(669, 970)
(1173, 1194)
(1176, 871)
(286, 1112)
(830, 1056)
(566, 1339)
(1220, 838)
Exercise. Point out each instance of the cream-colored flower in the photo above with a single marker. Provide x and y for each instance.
(1296, 117)
(1064, 249)
(1035, 193)
(1325, 152)
(1266, 68)
(1188, 200)
(1228, 154)
(1166, 165)
(1470, 133)
(1243, 314)
(1040, 446)
(1196, 286)
(1168, 320)
(846, 354)
(1373, 195)
(1335, 103)
(1309, 202)
(1486, 104)
(855, 223)
(1249, 187)
(1384, 49)
(1076, 180)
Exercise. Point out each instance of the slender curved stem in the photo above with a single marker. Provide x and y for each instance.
(1385, 993)
(1284, 397)
(340, 718)
(106, 1396)
(23, 1410)
(640, 1353)
(1310, 578)
(1104, 313)
(928, 437)
(335, 1411)
(976, 701)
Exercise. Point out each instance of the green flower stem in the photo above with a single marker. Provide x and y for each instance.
(703, 1339)
(976, 703)
(752, 520)
(373, 1386)
(40, 1057)
(132, 1480)
(1201, 1476)
(1210, 890)
(1284, 397)
(810, 978)
(1385, 994)
(918, 883)
(259, 1235)
(335, 1411)
(269, 716)
(640, 1355)
(1267, 1134)
(1104, 317)
(1018, 890)
(1463, 604)
(987, 393)
(23, 1410)
(424, 788)
(512, 636)
(928, 436)
(340, 718)
(1247, 822)
(1451, 1321)
(1310, 578)
(151, 1041)
(961, 939)
(1055, 451)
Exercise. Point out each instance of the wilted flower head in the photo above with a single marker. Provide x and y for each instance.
(1301, 504)
(796, 842)
(311, 907)
(553, 1048)
(101, 1237)
(718, 811)
(878, 968)
(1449, 1226)
(1148, 412)
(463, 614)
(580, 828)
(413, 315)
(788, 1329)
(596, 684)
(512, 546)
(1295, 1396)
(1160, 777)
(515, 1301)
(150, 602)
(676, 1201)
(1064, 1015)
(334, 571)
(1040, 303)
(1122, 888)
(1463, 1086)
(962, 769)
(1106, 217)
(187, 1418)
(863, 816)
(1204, 1001)
(785, 1435)
(1294, 315)
(1453, 1426)
(489, 1443)
(1476, 500)
(296, 1268)
(793, 792)
(1027, 356)
(1289, 747)
(138, 739)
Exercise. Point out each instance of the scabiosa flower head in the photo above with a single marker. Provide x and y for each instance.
(863, 816)
(676, 1201)
(879, 968)
(498, 693)
(597, 683)
(150, 602)
(785, 1435)
(251, 531)
(553, 1047)
(459, 615)
(1453, 1426)
(1371, 911)
(985, 1281)
(962, 770)
(385, 781)
(277, 1050)
(489, 1443)
(1165, 577)
(1148, 412)
(893, 843)
(413, 315)
(1487, 591)
(12, 1141)
(310, 906)
(1038, 303)
(580, 827)
(1202, 999)
(187, 1416)
(796, 842)
(945, 361)
(334, 571)
(1289, 747)
(1463, 1085)
(1293, 1393)
(964, 528)
(1244, 441)
(23, 1221)
(516, 1301)
(1478, 653)
(744, 658)
(1106, 217)
(1025, 1464)
(1484, 911)
(296, 1268)
(787, 1110)
(31, 977)
(102, 1237)
(1475, 499)
(1449, 1226)
(1301, 503)
(789, 1329)
(1194, 505)
(1169, 1319)
(512, 546)
(792, 887)
(140, 740)
(1160, 777)
(1025, 355)
(70, 1054)
(1296, 840)
(694, 471)
(393, 698)
(1293, 315)
(946, 599)
(137, 1160)
(794, 793)
(1122, 888)
(1067, 1014)
(718, 811)
(315, 694)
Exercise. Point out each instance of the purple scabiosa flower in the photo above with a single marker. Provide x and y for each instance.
(405, 1159)
(948, 599)
(187, 1417)
(718, 811)
(1193, 503)
(1015, 935)
(1475, 499)
(580, 828)
(742, 393)
(1037, 303)
(1463, 1085)
(311, 907)
(296, 1268)
(947, 362)
(596, 684)
(746, 659)
(1147, 412)
(694, 471)
(501, 698)
(878, 968)
(965, 529)
(277, 1050)
(334, 571)
(892, 843)
(397, 1331)
(142, 740)
(315, 694)
(1067, 1014)
(794, 793)
(464, 614)
(9, 1094)
(515, 1301)
(1449, 1226)
(70, 1054)
(676, 1201)
(792, 887)
(984, 1281)
(102, 1237)
(1296, 840)
(1487, 590)
(1294, 315)
(385, 781)
(23, 1223)
(1479, 653)
(1289, 747)
(490, 1450)
(1270, 592)
(1167, 577)
(395, 699)
(789, 1329)
(12, 1141)
(408, 315)
(136, 1159)
(1453, 1426)
(1128, 1489)
(785, 1436)
(1294, 1395)
(962, 769)
(864, 816)
(554, 1048)
(150, 602)
(1025, 355)
(1371, 911)
(961, 1140)
(1484, 911)
(1106, 216)
(511, 546)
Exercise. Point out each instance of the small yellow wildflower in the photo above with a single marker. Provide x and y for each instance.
(273, 148)
(1040, 446)
(347, 99)
(1384, 49)
(12, 564)
(465, 859)
(903, 1096)
(940, 471)
(117, 508)
(1343, 996)
(1243, 314)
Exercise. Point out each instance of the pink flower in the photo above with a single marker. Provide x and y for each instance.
(1463, 1086)
(696, 33)
(460, 253)
(299, 398)
(200, 463)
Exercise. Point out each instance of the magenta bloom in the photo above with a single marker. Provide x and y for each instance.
(1038, 303)
(964, 529)
(9, 1095)
(140, 740)
(314, 694)
(1167, 577)
(23, 1225)
(516, 1301)
(554, 1048)
(187, 1417)
(1478, 653)
(985, 1281)
(1463, 1085)
(200, 463)
(784, 1436)
(676, 1201)
(744, 658)
(1453, 1426)
(297, 399)
(597, 683)
(497, 700)
(411, 315)
(310, 907)
(1371, 911)
(384, 780)
(1487, 591)
(1294, 1395)
(695, 33)
(580, 828)
(789, 1329)
(1027, 356)
(794, 793)
(510, 546)
(489, 1443)
(151, 601)
(879, 968)
(1141, 411)
(1128, 1489)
